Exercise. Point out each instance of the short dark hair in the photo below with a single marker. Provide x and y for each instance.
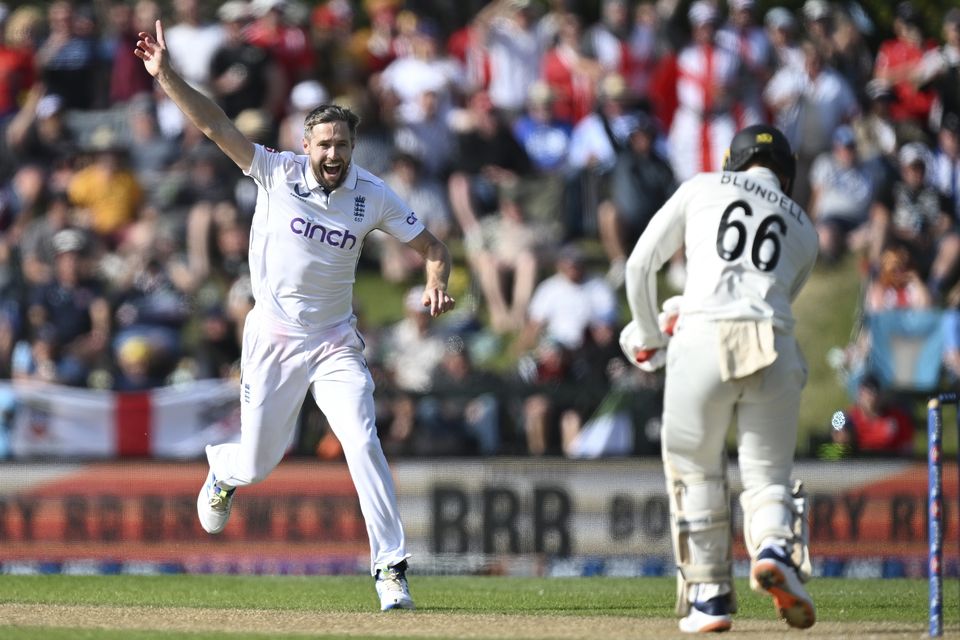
(331, 113)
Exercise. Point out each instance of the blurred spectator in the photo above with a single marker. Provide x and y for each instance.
(911, 212)
(278, 29)
(782, 30)
(646, 47)
(875, 424)
(17, 71)
(704, 122)
(215, 350)
(36, 247)
(547, 371)
(818, 27)
(852, 57)
(897, 62)
(375, 46)
(606, 40)
(135, 366)
(808, 105)
(413, 346)
(488, 157)
(747, 40)
(566, 304)
(151, 153)
(37, 357)
(507, 31)
(595, 142)
(426, 69)
(243, 76)
(945, 164)
(877, 134)
(427, 137)
(304, 98)
(841, 191)
(570, 72)
(465, 403)
(126, 76)
(106, 191)
(427, 198)
(192, 42)
(897, 284)
(505, 262)
(939, 69)
(67, 57)
(640, 183)
(38, 133)
(75, 308)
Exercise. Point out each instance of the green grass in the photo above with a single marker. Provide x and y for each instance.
(838, 600)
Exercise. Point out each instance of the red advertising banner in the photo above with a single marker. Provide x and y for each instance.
(556, 517)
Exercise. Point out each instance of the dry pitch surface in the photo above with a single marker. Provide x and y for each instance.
(410, 624)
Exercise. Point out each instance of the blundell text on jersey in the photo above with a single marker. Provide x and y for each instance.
(765, 192)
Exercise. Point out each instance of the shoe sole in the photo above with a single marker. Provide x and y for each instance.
(797, 612)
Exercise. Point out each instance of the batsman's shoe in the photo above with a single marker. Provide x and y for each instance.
(213, 505)
(392, 587)
(775, 574)
(711, 616)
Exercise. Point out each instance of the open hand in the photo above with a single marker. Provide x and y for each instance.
(152, 51)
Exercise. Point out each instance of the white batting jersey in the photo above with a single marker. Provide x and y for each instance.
(305, 243)
(749, 249)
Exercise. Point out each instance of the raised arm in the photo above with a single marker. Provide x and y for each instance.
(202, 111)
(437, 259)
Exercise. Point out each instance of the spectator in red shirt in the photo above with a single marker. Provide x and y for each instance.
(874, 424)
(897, 62)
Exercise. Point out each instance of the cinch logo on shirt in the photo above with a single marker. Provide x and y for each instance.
(333, 237)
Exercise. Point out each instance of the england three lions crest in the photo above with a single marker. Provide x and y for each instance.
(359, 208)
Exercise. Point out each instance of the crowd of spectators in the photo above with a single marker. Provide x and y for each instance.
(520, 131)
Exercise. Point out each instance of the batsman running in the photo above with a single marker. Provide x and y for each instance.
(312, 214)
(732, 358)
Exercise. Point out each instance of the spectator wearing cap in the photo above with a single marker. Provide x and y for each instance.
(413, 347)
(641, 181)
(940, 69)
(507, 30)
(748, 41)
(594, 144)
(567, 303)
(898, 60)
(38, 133)
(306, 96)
(875, 423)
(74, 305)
(945, 164)
(67, 57)
(818, 25)
(808, 105)
(911, 212)
(243, 76)
(704, 122)
(877, 132)
(841, 191)
(106, 192)
(782, 30)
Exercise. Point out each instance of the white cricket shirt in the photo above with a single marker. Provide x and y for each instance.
(304, 243)
(749, 250)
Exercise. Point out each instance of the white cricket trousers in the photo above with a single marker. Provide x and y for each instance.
(279, 364)
(699, 408)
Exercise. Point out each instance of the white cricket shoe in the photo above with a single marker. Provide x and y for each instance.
(712, 616)
(213, 505)
(774, 574)
(392, 587)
